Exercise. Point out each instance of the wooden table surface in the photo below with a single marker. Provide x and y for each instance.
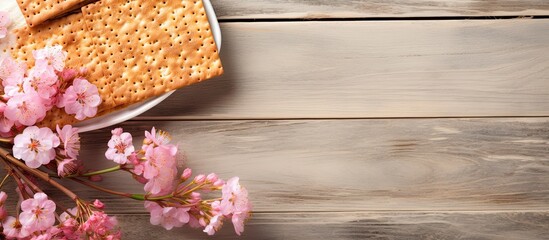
(383, 119)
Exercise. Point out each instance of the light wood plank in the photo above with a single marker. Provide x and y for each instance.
(348, 165)
(373, 69)
(259, 9)
(368, 225)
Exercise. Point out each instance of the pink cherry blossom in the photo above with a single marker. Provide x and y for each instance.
(65, 216)
(26, 109)
(82, 99)
(43, 82)
(120, 146)
(35, 146)
(215, 224)
(46, 235)
(70, 140)
(160, 169)
(5, 123)
(167, 217)
(38, 213)
(69, 229)
(10, 67)
(4, 23)
(65, 77)
(14, 229)
(235, 202)
(12, 74)
(14, 85)
(43, 75)
(163, 182)
(238, 220)
(99, 226)
(50, 57)
(155, 139)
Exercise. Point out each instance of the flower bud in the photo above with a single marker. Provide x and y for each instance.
(200, 178)
(117, 131)
(3, 213)
(96, 178)
(219, 183)
(68, 74)
(212, 177)
(98, 204)
(3, 197)
(140, 179)
(133, 159)
(67, 167)
(186, 174)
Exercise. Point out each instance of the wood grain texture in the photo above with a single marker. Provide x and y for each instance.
(373, 69)
(364, 225)
(258, 9)
(348, 165)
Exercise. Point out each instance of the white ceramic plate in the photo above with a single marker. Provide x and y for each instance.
(122, 115)
(138, 108)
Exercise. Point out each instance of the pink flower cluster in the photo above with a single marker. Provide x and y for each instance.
(4, 23)
(38, 146)
(30, 93)
(171, 200)
(37, 221)
(157, 168)
(234, 204)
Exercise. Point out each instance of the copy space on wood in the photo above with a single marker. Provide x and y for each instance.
(373, 70)
(315, 9)
(365, 225)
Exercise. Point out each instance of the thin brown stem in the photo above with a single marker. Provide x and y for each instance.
(39, 174)
(22, 190)
(102, 189)
(4, 180)
(34, 187)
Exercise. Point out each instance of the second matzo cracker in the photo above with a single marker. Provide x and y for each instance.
(148, 48)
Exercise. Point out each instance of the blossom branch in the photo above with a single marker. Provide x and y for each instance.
(20, 174)
(39, 174)
(90, 174)
(140, 197)
(102, 189)
(6, 140)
